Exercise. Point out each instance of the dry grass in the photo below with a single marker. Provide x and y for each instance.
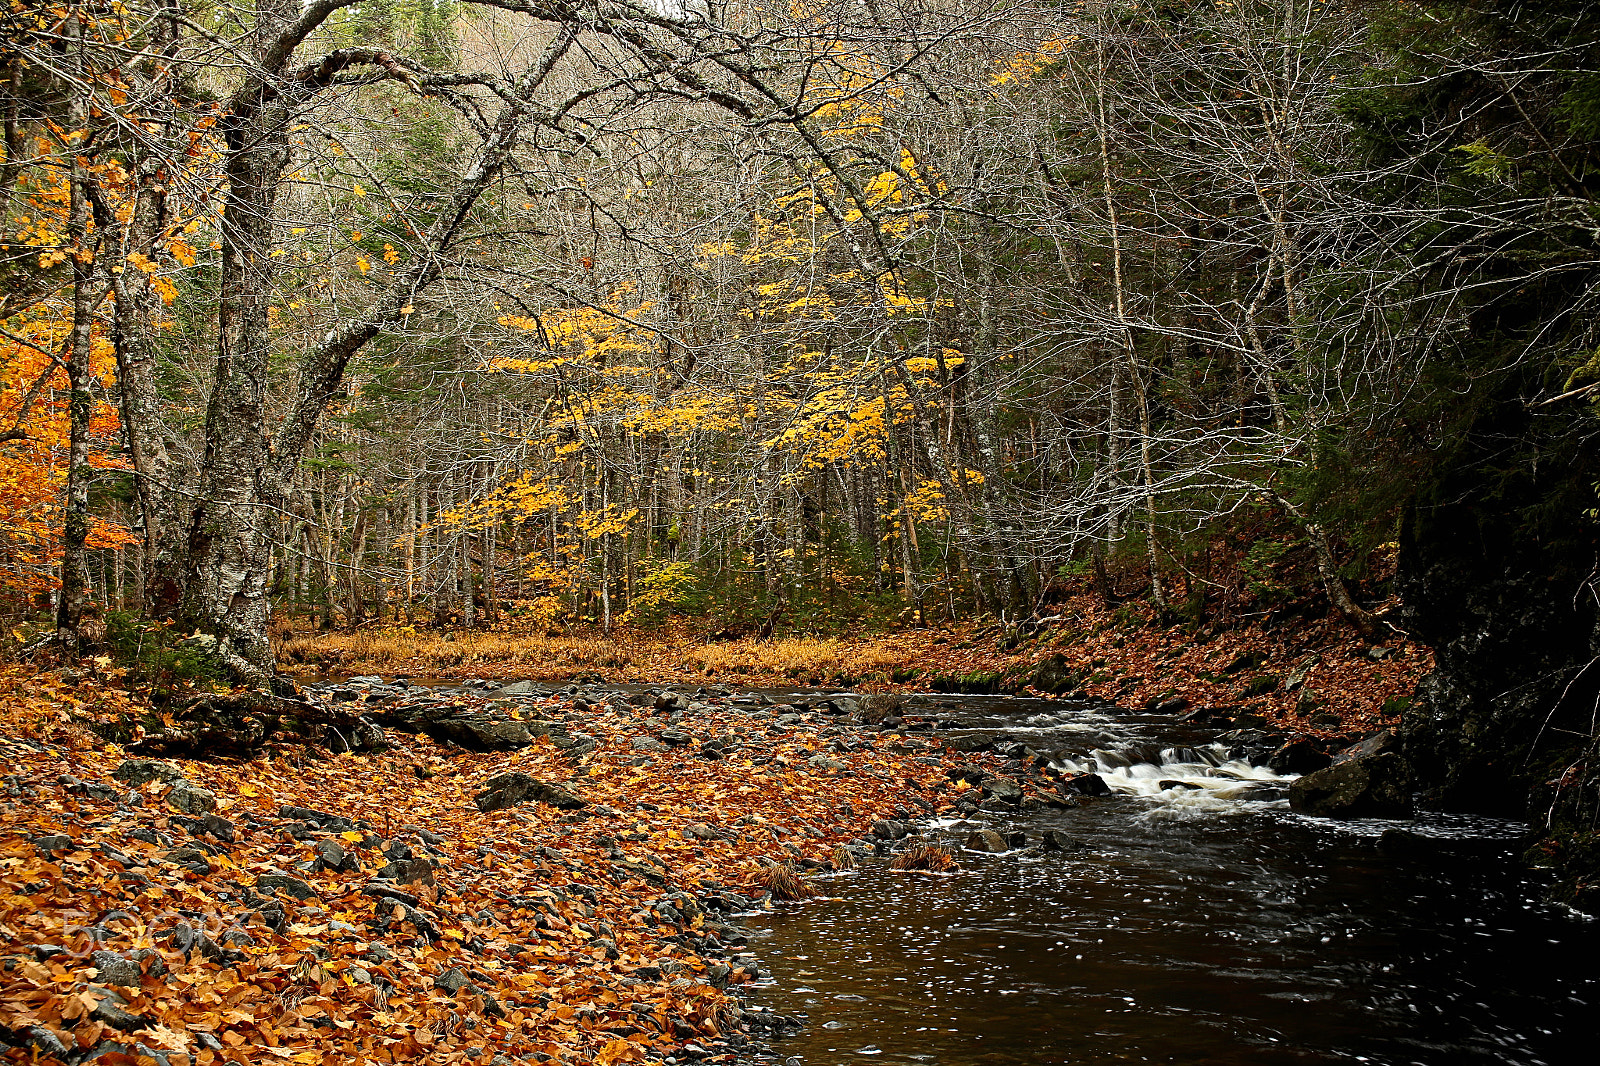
(926, 857)
(402, 650)
(784, 883)
(625, 656)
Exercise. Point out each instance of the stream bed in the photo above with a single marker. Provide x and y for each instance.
(1193, 919)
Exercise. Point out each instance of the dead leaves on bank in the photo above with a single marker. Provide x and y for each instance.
(590, 936)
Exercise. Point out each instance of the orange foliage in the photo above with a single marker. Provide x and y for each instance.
(33, 406)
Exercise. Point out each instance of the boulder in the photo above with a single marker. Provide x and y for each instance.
(1054, 676)
(1369, 786)
(508, 790)
(482, 732)
(136, 772)
(191, 799)
(113, 969)
(285, 883)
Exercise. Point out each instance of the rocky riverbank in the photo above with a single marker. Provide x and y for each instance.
(485, 876)
(480, 874)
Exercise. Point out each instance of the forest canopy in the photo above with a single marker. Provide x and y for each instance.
(436, 310)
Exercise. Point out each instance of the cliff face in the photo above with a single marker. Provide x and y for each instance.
(1498, 572)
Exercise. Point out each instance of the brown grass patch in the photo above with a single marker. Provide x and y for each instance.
(927, 857)
(784, 883)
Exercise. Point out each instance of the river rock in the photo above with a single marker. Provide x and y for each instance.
(1298, 755)
(987, 840)
(1372, 786)
(1086, 784)
(508, 790)
(1055, 840)
(1376, 744)
(1002, 788)
(887, 829)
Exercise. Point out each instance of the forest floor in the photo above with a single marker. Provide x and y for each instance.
(311, 907)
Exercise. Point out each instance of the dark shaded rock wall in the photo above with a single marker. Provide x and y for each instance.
(1497, 573)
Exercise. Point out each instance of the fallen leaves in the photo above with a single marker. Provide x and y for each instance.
(598, 934)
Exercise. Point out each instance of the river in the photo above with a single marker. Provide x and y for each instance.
(1196, 925)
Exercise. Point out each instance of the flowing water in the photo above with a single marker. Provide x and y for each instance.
(1197, 925)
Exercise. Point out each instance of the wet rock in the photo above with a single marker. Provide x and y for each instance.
(986, 840)
(1167, 783)
(1055, 840)
(136, 772)
(1002, 788)
(969, 744)
(1376, 744)
(1086, 784)
(1369, 786)
(967, 772)
(508, 790)
(1298, 755)
(191, 799)
(888, 829)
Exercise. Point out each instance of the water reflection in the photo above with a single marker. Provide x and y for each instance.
(1194, 926)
